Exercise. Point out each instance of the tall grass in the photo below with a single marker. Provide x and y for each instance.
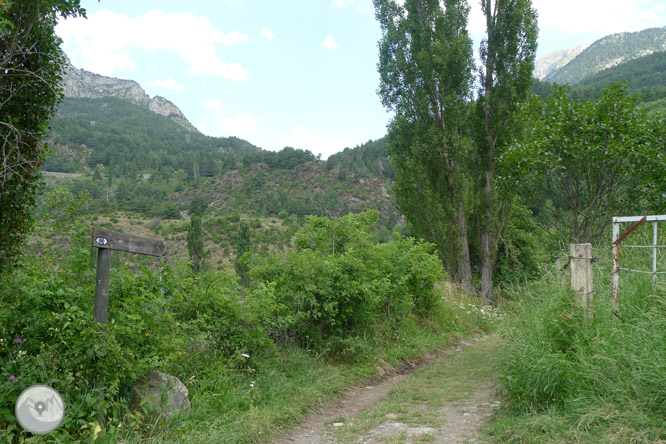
(567, 379)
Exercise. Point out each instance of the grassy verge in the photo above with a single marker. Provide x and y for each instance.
(566, 379)
(282, 388)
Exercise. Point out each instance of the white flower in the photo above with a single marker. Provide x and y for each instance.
(245, 355)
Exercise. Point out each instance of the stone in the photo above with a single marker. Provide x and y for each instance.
(160, 394)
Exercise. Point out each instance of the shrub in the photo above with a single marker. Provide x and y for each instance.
(363, 287)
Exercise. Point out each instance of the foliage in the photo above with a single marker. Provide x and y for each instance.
(580, 163)
(507, 53)
(425, 66)
(370, 158)
(325, 298)
(31, 63)
(568, 380)
(195, 247)
(242, 248)
(47, 334)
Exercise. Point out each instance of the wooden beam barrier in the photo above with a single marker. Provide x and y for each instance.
(105, 241)
(103, 238)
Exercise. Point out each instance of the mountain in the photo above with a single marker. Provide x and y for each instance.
(79, 83)
(555, 60)
(605, 53)
(133, 154)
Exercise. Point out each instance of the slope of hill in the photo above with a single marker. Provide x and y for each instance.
(555, 60)
(610, 51)
(646, 78)
(113, 132)
(134, 160)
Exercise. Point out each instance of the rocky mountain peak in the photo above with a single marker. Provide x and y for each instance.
(555, 60)
(79, 83)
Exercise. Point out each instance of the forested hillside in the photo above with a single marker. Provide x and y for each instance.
(645, 78)
(610, 51)
(132, 159)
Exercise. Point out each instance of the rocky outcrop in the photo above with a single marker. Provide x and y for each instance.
(162, 106)
(79, 83)
(159, 394)
(555, 60)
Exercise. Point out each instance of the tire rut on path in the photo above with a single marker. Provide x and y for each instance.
(465, 419)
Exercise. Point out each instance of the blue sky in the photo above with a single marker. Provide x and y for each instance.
(299, 73)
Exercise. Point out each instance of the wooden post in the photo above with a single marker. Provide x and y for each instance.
(102, 286)
(655, 238)
(615, 288)
(581, 276)
(102, 310)
(105, 241)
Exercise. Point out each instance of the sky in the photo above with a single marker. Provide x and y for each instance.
(299, 73)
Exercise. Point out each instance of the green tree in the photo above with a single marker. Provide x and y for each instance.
(31, 64)
(242, 247)
(580, 163)
(426, 63)
(507, 54)
(195, 242)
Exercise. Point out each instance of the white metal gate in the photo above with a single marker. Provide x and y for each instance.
(617, 240)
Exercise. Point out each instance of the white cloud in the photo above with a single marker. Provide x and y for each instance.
(214, 105)
(302, 138)
(329, 43)
(602, 16)
(267, 34)
(167, 83)
(241, 125)
(101, 43)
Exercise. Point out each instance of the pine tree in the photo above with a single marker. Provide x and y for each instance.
(195, 242)
(242, 247)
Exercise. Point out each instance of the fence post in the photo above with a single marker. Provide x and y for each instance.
(615, 289)
(581, 276)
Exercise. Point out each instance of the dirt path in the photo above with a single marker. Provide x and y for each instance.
(461, 419)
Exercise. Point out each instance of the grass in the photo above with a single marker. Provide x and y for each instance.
(281, 388)
(566, 379)
(417, 400)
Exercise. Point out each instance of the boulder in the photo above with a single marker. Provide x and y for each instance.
(160, 394)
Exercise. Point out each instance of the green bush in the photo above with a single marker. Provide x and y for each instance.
(48, 336)
(340, 283)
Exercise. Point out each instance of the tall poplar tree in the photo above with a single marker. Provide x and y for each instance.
(507, 54)
(444, 144)
(425, 64)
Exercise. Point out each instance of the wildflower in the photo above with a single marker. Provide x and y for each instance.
(245, 355)
(252, 384)
(18, 340)
(22, 352)
(12, 378)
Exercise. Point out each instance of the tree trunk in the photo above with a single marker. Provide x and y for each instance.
(464, 267)
(488, 239)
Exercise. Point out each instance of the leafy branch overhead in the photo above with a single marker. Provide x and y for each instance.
(578, 163)
(31, 62)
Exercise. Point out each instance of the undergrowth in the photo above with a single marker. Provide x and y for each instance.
(568, 379)
(254, 358)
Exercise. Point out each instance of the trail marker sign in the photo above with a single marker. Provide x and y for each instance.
(105, 241)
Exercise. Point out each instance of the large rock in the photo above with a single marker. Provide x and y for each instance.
(160, 394)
